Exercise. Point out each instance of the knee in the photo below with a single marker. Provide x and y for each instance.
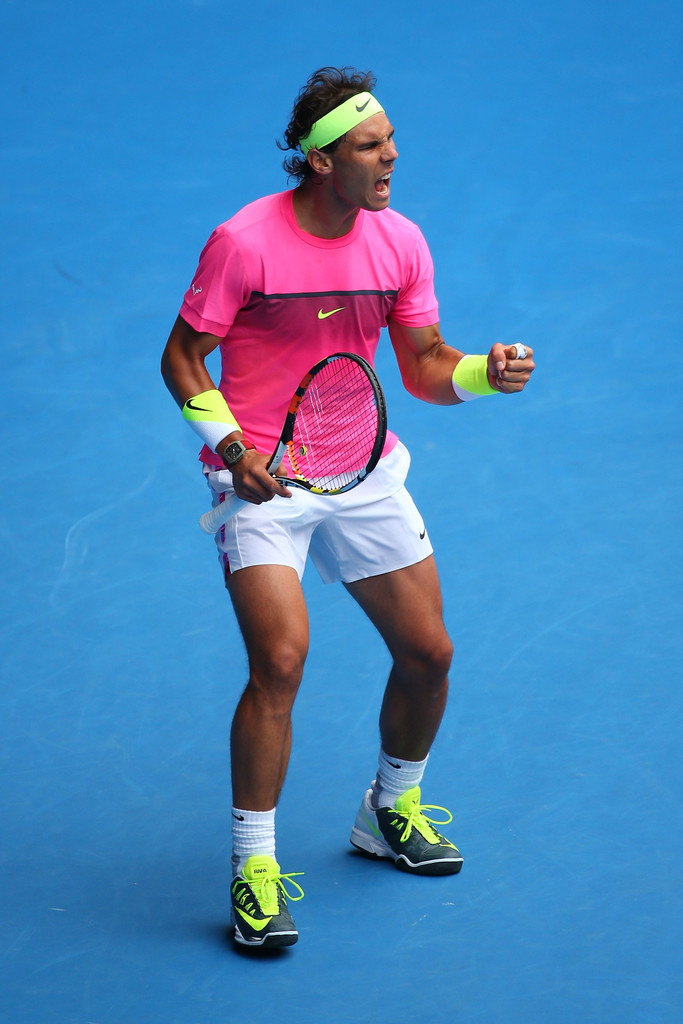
(439, 657)
(429, 659)
(276, 672)
(443, 655)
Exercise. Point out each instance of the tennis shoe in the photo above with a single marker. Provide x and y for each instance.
(407, 835)
(259, 904)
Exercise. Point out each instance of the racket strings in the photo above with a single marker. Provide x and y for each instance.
(336, 426)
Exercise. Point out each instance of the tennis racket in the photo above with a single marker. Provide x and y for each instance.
(333, 435)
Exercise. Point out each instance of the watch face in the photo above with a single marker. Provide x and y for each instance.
(233, 452)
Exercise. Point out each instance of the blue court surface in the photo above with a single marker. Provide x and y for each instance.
(540, 151)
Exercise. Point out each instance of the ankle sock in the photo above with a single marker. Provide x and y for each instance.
(394, 778)
(252, 832)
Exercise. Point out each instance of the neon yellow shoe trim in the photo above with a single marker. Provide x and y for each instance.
(373, 828)
(253, 922)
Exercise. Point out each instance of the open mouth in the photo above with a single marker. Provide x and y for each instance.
(382, 185)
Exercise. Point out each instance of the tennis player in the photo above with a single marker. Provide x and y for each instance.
(289, 279)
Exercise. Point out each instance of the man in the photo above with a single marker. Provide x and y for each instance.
(287, 280)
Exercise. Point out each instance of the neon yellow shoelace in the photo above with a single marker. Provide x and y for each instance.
(266, 890)
(417, 819)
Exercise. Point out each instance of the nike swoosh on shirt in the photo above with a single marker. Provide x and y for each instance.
(323, 316)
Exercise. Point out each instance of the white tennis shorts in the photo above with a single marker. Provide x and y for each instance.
(372, 529)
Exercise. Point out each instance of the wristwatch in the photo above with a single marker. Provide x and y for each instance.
(233, 452)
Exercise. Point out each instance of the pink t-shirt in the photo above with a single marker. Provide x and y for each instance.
(282, 299)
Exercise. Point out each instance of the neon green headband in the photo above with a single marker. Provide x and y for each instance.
(340, 121)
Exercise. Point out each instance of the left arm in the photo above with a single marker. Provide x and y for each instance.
(426, 364)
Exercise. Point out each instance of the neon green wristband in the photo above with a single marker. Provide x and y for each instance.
(471, 379)
(209, 416)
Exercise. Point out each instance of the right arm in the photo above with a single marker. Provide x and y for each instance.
(183, 368)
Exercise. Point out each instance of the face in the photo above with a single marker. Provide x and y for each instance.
(362, 164)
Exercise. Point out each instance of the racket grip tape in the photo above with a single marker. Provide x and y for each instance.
(216, 517)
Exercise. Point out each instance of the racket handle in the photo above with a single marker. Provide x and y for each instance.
(212, 520)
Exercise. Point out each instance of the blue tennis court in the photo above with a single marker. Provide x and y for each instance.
(540, 152)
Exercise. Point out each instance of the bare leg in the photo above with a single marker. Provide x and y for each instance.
(405, 606)
(271, 612)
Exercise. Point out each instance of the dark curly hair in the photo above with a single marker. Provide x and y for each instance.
(325, 89)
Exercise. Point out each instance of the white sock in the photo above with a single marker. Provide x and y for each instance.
(252, 832)
(394, 778)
